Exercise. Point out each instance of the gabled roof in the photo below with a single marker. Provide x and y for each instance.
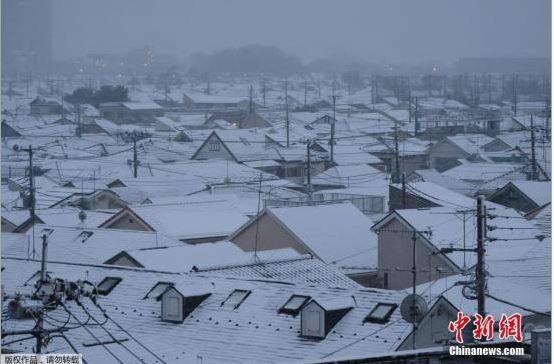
(336, 233)
(185, 220)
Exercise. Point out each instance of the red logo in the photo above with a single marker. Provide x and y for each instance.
(508, 327)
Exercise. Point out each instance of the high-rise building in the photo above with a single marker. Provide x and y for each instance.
(26, 36)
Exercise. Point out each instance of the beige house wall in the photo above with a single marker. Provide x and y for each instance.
(270, 236)
(395, 258)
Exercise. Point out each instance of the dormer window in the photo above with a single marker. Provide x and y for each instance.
(236, 298)
(381, 313)
(178, 305)
(294, 304)
(107, 285)
(317, 318)
(158, 290)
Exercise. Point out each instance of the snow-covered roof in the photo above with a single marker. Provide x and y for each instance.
(143, 105)
(254, 331)
(338, 234)
(190, 220)
(202, 256)
(79, 245)
(539, 192)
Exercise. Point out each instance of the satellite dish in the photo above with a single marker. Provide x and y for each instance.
(16, 147)
(413, 308)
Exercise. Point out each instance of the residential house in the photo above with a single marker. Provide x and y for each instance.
(143, 113)
(431, 230)
(236, 120)
(524, 196)
(446, 153)
(338, 234)
(202, 102)
(192, 222)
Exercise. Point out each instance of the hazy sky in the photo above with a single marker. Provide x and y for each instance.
(381, 30)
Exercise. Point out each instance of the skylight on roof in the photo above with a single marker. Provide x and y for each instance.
(294, 304)
(236, 298)
(381, 313)
(158, 289)
(83, 236)
(107, 285)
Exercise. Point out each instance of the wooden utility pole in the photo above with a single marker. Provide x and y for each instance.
(287, 121)
(31, 182)
(416, 117)
(533, 155)
(251, 102)
(305, 93)
(396, 175)
(514, 87)
(404, 197)
(333, 129)
(480, 279)
(135, 156)
(309, 169)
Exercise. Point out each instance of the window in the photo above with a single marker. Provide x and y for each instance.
(236, 298)
(157, 290)
(214, 146)
(107, 285)
(381, 313)
(294, 305)
(83, 236)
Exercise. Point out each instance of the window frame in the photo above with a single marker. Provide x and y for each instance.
(385, 318)
(105, 292)
(291, 311)
(237, 305)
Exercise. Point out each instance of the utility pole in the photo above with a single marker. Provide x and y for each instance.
(333, 129)
(533, 155)
(309, 169)
(135, 158)
(79, 126)
(416, 117)
(396, 175)
(414, 276)
(31, 182)
(547, 118)
(305, 92)
(251, 105)
(410, 109)
(480, 279)
(514, 86)
(404, 197)
(264, 89)
(287, 121)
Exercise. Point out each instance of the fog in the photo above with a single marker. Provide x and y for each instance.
(377, 30)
